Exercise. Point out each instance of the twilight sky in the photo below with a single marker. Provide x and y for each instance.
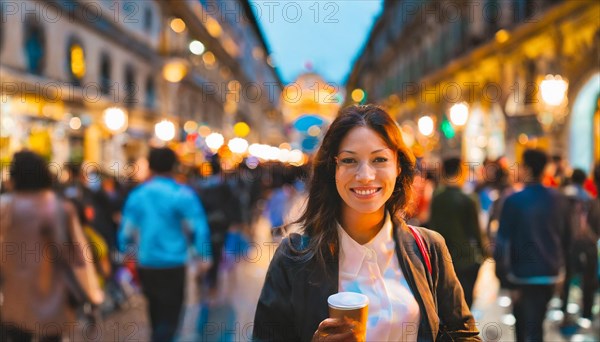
(322, 36)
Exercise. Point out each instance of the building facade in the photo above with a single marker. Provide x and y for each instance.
(424, 58)
(90, 80)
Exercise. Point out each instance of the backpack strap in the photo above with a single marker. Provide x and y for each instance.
(421, 245)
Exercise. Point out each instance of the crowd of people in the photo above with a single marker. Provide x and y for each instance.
(367, 217)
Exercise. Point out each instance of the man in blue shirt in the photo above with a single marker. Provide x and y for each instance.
(161, 219)
(530, 247)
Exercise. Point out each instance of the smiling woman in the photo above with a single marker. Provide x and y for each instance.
(355, 240)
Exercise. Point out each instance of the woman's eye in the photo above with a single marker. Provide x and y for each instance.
(380, 160)
(347, 161)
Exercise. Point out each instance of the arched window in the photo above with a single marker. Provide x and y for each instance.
(130, 86)
(76, 65)
(150, 92)
(34, 45)
(105, 72)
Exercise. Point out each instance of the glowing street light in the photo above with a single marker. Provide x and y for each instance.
(459, 114)
(190, 127)
(196, 47)
(238, 145)
(214, 141)
(358, 95)
(75, 123)
(553, 90)
(165, 130)
(115, 119)
(175, 70)
(241, 129)
(425, 124)
(177, 25)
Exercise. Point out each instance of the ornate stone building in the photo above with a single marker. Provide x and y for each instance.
(64, 63)
(424, 57)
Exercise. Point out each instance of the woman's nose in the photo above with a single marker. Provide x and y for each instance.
(365, 172)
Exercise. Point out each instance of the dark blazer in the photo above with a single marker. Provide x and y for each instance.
(294, 298)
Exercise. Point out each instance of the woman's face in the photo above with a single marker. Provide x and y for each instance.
(366, 171)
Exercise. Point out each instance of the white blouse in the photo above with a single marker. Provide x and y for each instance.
(373, 270)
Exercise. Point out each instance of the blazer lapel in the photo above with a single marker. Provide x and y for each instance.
(409, 258)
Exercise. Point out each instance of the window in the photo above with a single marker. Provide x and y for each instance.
(150, 93)
(530, 88)
(523, 9)
(76, 61)
(492, 16)
(130, 86)
(105, 71)
(148, 20)
(2, 28)
(34, 45)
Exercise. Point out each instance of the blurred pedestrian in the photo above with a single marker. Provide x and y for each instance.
(582, 255)
(160, 220)
(530, 247)
(454, 216)
(502, 188)
(222, 211)
(354, 239)
(35, 236)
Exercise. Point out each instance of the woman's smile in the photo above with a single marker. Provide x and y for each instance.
(366, 192)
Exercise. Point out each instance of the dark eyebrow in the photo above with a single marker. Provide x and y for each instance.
(376, 151)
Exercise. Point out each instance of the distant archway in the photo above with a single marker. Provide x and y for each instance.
(581, 134)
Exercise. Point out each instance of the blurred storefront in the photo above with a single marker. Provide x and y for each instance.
(80, 80)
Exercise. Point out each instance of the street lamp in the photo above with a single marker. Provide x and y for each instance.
(175, 70)
(196, 47)
(214, 141)
(115, 120)
(553, 89)
(425, 124)
(459, 114)
(238, 145)
(165, 130)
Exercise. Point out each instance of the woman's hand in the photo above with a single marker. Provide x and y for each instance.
(335, 329)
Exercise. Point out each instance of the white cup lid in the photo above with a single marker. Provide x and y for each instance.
(348, 300)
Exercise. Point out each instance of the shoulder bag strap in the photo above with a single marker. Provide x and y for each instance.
(7, 215)
(421, 245)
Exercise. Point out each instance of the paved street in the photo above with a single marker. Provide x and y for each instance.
(229, 316)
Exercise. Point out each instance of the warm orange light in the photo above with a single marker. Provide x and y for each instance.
(175, 70)
(213, 27)
(502, 36)
(209, 59)
(241, 129)
(77, 61)
(358, 95)
(178, 25)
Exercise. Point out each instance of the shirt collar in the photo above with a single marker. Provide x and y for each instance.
(352, 254)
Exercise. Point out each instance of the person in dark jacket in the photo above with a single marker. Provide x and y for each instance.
(530, 247)
(354, 239)
(454, 215)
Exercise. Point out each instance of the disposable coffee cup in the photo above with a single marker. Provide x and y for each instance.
(353, 306)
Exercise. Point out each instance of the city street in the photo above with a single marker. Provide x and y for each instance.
(138, 139)
(230, 316)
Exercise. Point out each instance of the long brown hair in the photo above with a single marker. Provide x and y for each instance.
(323, 207)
